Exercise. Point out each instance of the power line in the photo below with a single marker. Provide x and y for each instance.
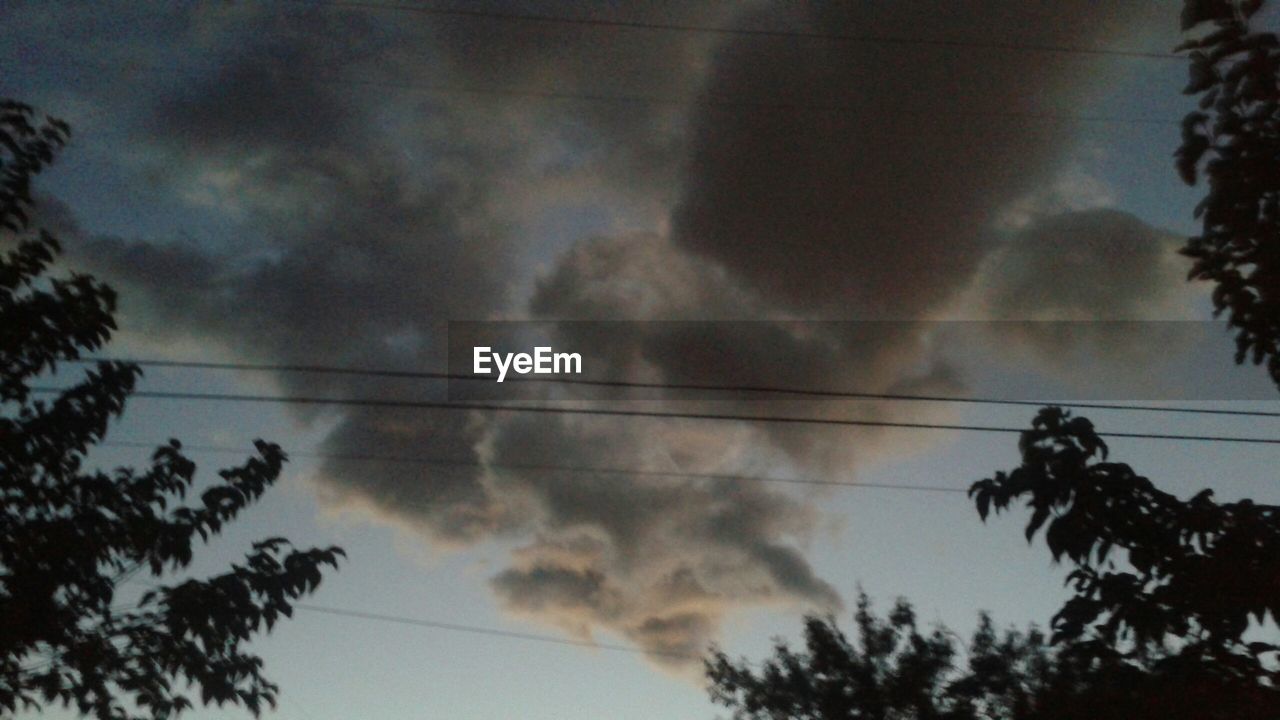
(546, 467)
(602, 412)
(711, 101)
(741, 32)
(699, 387)
(476, 629)
(379, 617)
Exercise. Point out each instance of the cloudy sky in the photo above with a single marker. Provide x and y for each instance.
(947, 198)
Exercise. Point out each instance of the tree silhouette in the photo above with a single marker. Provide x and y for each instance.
(69, 536)
(894, 672)
(891, 671)
(1171, 596)
(1234, 140)
(1167, 586)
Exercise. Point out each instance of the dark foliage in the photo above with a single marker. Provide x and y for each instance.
(1167, 586)
(891, 671)
(69, 536)
(1234, 141)
(1167, 594)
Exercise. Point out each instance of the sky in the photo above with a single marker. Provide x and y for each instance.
(934, 212)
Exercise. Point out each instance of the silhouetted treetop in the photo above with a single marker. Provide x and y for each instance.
(890, 670)
(27, 145)
(1175, 585)
(69, 536)
(1233, 140)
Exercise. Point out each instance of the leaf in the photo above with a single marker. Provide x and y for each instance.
(1201, 75)
(1037, 519)
(1195, 12)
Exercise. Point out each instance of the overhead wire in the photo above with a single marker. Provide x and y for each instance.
(613, 412)
(467, 628)
(944, 114)
(770, 33)
(692, 387)
(686, 28)
(555, 467)
(496, 632)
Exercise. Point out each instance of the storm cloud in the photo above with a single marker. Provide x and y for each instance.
(388, 177)
(867, 184)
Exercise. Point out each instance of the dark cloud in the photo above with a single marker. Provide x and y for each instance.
(680, 554)
(635, 554)
(866, 185)
(373, 211)
(449, 501)
(1100, 264)
(364, 237)
(647, 279)
(1096, 296)
(635, 146)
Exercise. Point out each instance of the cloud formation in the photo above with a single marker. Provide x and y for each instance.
(659, 559)
(1096, 296)
(1081, 266)
(867, 185)
(858, 181)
